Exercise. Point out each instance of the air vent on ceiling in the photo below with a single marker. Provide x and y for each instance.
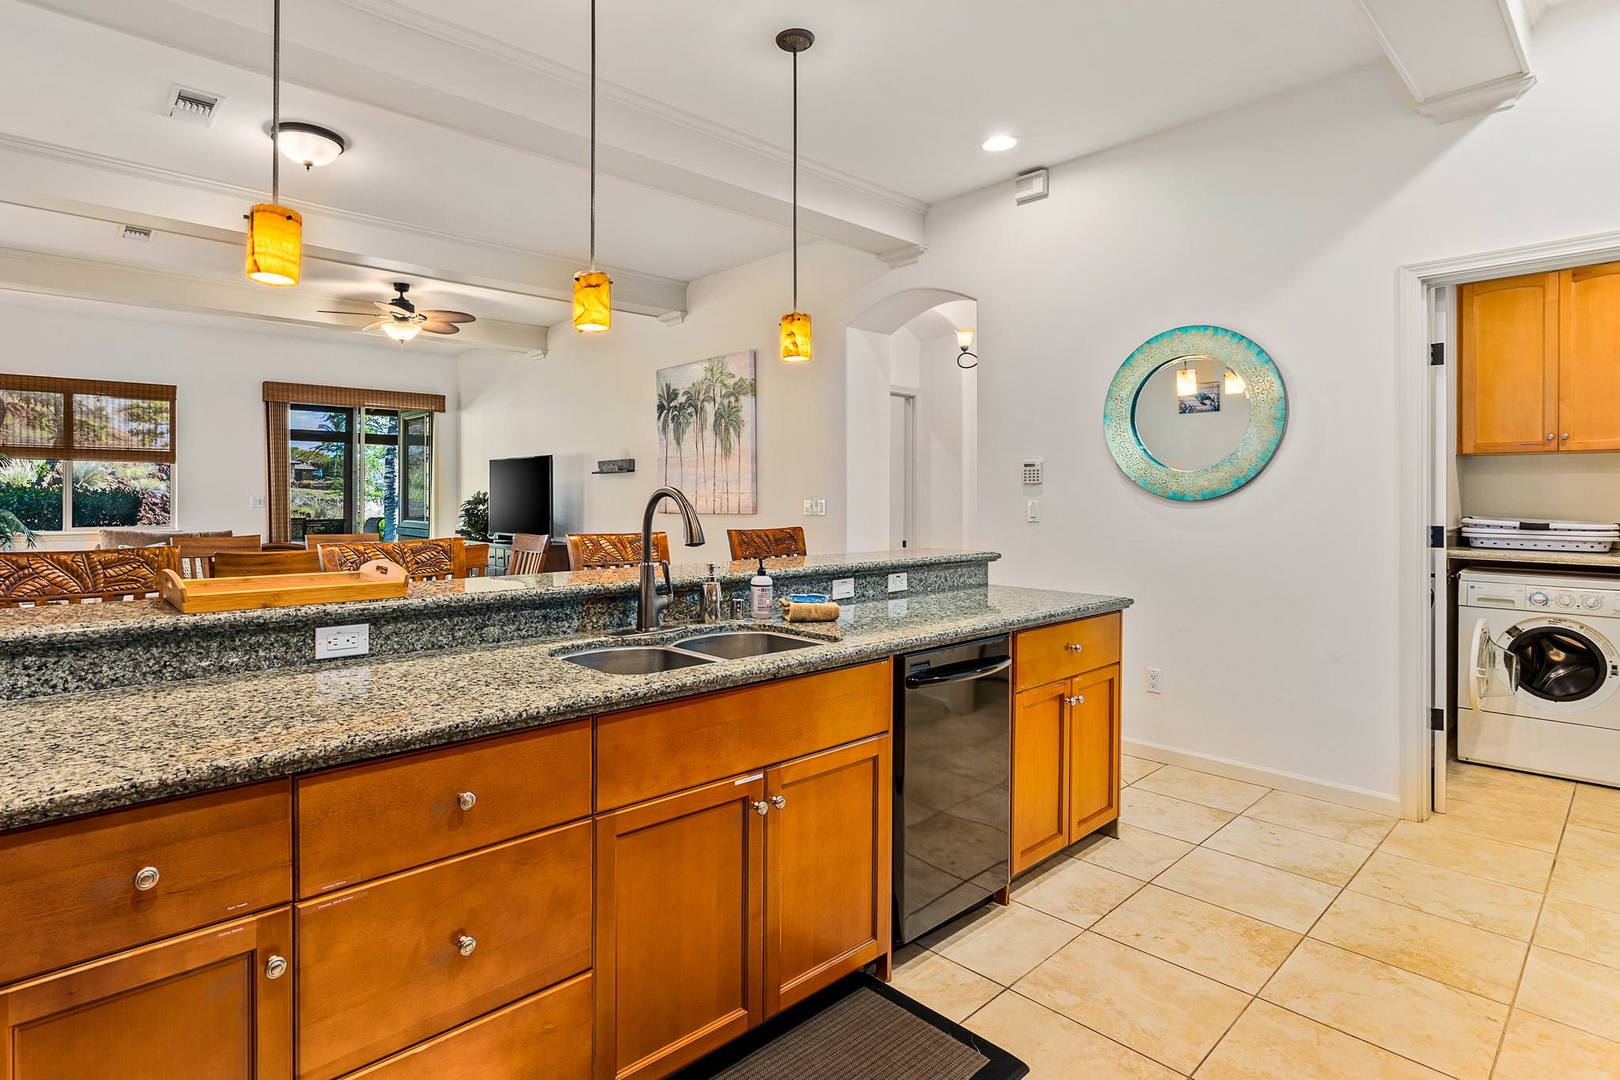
(136, 232)
(1030, 186)
(193, 106)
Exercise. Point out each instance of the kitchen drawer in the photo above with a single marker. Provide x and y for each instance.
(1057, 652)
(364, 821)
(544, 1037)
(644, 753)
(72, 891)
(382, 967)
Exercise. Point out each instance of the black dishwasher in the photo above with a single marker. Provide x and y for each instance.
(952, 808)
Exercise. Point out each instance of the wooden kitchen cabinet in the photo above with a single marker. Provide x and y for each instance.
(828, 839)
(680, 908)
(1040, 774)
(216, 1003)
(1539, 357)
(1094, 751)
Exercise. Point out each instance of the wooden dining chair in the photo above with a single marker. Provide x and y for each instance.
(253, 563)
(197, 552)
(596, 551)
(766, 543)
(75, 577)
(477, 559)
(528, 553)
(315, 540)
(423, 560)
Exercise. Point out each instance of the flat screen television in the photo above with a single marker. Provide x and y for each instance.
(520, 495)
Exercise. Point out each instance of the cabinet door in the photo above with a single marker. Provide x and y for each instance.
(1508, 375)
(1093, 752)
(679, 927)
(1040, 782)
(1589, 358)
(202, 1005)
(827, 844)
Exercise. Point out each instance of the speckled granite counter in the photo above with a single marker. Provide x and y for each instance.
(72, 754)
(1552, 561)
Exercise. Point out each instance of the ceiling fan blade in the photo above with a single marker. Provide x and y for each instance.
(362, 314)
(387, 307)
(449, 316)
(434, 327)
(378, 325)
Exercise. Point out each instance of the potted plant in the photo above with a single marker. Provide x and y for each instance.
(475, 517)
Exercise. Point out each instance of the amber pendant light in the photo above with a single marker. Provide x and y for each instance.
(795, 324)
(275, 239)
(593, 289)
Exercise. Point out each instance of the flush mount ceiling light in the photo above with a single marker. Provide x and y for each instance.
(275, 240)
(309, 144)
(593, 289)
(795, 324)
(964, 342)
(997, 143)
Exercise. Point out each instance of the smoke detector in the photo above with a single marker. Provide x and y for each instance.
(193, 106)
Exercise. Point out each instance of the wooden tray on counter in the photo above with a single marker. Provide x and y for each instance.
(375, 580)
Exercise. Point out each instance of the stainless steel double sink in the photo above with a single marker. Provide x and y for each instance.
(636, 659)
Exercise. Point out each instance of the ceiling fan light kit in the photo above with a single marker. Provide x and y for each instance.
(399, 319)
(795, 324)
(275, 239)
(593, 289)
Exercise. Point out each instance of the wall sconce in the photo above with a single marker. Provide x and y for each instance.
(964, 341)
(1186, 381)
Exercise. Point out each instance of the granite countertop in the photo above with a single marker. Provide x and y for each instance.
(77, 753)
(1593, 560)
(142, 617)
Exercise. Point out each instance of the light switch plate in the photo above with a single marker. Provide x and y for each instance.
(335, 642)
(256, 502)
(897, 582)
(1033, 514)
(843, 588)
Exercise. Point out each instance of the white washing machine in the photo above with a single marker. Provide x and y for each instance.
(1538, 673)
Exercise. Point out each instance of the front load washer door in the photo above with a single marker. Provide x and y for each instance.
(1554, 667)
(1491, 678)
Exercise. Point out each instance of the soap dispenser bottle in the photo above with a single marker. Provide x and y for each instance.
(762, 591)
(711, 595)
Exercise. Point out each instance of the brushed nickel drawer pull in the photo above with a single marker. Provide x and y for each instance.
(762, 808)
(779, 801)
(466, 943)
(146, 878)
(466, 800)
(275, 967)
(1075, 648)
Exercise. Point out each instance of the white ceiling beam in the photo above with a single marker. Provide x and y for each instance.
(379, 59)
(1457, 58)
(143, 287)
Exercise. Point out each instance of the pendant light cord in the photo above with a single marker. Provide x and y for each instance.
(275, 107)
(593, 136)
(795, 180)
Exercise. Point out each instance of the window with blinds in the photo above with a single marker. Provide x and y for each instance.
(85, 453)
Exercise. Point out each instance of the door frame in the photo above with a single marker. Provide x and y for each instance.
(908, 397)
(1421, 393)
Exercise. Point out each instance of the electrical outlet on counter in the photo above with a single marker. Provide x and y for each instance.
(843, 588)
(337, 642)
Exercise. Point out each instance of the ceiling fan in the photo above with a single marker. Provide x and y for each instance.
(400, 320)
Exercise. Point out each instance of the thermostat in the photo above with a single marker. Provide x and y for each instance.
(1033, 470)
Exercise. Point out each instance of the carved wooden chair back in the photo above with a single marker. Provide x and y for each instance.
(315, 540)
(72, 577)
(766, 543)
(197, 552)
(423, 560)
(251, 563)
(595, 551)
(528, 553)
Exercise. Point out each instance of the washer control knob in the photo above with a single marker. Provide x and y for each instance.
(1566, 600)
(1538, 599)
(1591, 603)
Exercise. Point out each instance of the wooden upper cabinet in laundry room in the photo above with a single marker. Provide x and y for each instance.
(1589, 358)
(1508, 345)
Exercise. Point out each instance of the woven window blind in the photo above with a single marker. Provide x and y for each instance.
(86, 419)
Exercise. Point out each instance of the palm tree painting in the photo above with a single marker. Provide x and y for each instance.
(706, 441)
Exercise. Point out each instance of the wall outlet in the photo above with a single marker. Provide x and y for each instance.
(843, 588)
(256, 502)
(897, 583)
(1033, 512)
(334, 642)
(1152, 680)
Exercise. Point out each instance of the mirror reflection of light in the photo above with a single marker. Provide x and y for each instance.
(1186, 381)
(1232, 383)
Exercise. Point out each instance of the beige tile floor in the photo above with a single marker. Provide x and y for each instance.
(1234, 932)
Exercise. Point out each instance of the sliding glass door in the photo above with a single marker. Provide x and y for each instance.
(360, 471)
(416, 474)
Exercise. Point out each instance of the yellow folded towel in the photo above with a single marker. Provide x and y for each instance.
(810, 612)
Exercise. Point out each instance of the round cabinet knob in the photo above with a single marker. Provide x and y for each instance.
(1549, 436)
(466, 800)
(1563, 437)
(1076, 648)
(465, 944)
(146, 878)
(762, 808)
(1079, 699)
(275, 967)
(779, 801)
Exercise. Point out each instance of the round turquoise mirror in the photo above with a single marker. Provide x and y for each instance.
(1195, 413)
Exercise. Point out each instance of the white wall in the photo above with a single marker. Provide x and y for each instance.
(1563, 487)
(593, 398)
(1273, 611)
(218, 371)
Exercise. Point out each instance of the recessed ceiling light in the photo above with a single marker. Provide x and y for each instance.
(997, 143)
(309, 144)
